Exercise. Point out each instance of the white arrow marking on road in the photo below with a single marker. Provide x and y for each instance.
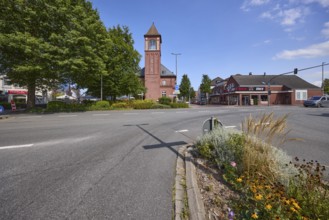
(16, 146)
(181, 131)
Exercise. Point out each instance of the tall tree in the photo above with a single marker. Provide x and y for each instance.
(184, 87)
(48, 42)
(122, 63)
(205, 86)
(192, 93)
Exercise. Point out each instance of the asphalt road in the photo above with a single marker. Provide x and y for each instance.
(118, 164)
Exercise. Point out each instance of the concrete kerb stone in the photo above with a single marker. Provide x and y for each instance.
(195, 203)
(179, 181)
(4, 116)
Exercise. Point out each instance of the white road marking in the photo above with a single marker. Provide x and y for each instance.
(130, 113)
(204, 111)
(157, 112)
(232, 126)
(16, 146)
(182, 112)
(100, 114)
(182, 131)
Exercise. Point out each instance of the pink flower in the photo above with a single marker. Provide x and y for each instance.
(233, 164)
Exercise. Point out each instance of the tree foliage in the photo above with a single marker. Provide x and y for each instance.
(205, 86)
(184, 87)
(122, 64)
(326, 86)
(44, 43)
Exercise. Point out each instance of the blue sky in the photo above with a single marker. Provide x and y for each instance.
(226, 37)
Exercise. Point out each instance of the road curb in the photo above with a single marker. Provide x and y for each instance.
(195, 203)
(4, 117)
(186, 184)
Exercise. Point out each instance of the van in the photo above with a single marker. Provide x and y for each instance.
(317, 101)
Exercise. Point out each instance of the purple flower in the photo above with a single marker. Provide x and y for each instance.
(230, 214)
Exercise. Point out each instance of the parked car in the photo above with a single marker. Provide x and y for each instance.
(317, 101)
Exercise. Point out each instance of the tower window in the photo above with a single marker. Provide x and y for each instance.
(164, 94)
(152, 45)
(164, 82)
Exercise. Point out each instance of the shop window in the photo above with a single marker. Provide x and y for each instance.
(263, 98)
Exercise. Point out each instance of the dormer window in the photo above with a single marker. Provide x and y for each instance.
(153, 45)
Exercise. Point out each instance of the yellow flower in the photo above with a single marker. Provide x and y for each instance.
(258, 197)
(293, 209)
(296, 205)
(287, 202)
(254, 216)
(268, 207)
(239, 180)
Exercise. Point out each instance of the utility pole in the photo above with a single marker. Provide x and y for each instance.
(176, 54)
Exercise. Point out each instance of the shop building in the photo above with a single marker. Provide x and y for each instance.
(263, 90)
(158, 79)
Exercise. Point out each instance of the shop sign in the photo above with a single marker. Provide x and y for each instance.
(250, 89)
(17, 92)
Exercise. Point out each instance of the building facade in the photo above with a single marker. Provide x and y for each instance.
(158, 80)
(9, 91)
(263, 90)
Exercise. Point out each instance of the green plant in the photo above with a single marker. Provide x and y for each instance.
(165, 100)
(6, 105)
(179, 105)
(142, 104)
(120, 105)
(56, 106)
(160, 106)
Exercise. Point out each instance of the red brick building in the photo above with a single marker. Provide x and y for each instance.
(158, 80)
(253, 90)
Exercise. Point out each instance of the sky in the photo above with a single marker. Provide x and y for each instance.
(221, 38)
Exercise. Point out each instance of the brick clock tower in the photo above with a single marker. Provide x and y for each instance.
(158, 80)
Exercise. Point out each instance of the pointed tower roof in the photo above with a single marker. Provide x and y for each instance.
(153, 32)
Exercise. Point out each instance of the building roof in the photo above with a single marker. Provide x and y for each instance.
(164, 71)
(153, 32)
(215, 81)
(290, 81)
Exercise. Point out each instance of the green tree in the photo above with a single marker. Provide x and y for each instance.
(326, 86)
(192, 93)
(184, 87)
(205, 86)
(44, 43)
(121, 65)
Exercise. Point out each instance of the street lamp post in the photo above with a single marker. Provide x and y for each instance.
(176, 54)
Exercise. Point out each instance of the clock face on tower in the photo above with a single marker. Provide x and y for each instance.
(152, 45)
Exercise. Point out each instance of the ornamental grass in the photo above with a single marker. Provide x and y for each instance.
(271, 185)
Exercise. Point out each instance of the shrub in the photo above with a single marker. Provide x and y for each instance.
(179, 105)
(102, 104)
(56, 106)
(120, 105)
(165, 100)
(6, 105)
(142, 104)
(160, 106)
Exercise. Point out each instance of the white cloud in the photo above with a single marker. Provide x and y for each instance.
(325, 30)
(286, 18)
(247, 4)
(313, 51)
(323, 3)
(291, 16)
